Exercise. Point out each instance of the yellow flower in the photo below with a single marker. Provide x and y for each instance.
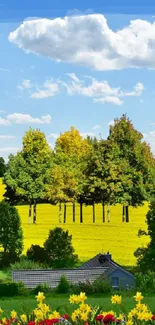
(73, 299)
(23, 318)
(84, 316)
(44, 308)
(116, 299)
(40, 297)
(4, 320)
(138, 297)
(55, 314)
(82, 297)
(1, 311)
(39, 314)
(129, 322)
(13, 314)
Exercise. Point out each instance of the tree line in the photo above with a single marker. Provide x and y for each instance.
(119, 169)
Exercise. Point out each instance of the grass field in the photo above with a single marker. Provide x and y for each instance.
(22, 304)
(89, 239)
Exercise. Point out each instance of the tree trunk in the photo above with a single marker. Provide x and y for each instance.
(65, 207)
(34, 213)
(59, 213)
(108, 213)
(81, 212)
(73, 211)
(93, 213)
(30, 213)
(123, 213)
(127, 213)
(103, 212)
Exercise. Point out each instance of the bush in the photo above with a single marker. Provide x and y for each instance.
(25, 264)
(59, 249)
(101, 285)
(42, 288)
(145, 282)
(37, 253)
(82, 287)
(10, 289)
(63, 286)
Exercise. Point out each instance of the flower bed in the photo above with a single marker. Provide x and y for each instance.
(82, 313)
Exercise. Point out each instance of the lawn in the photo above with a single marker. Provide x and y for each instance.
(89, 239)
(23, 304)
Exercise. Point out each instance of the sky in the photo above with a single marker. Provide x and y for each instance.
(82, 65)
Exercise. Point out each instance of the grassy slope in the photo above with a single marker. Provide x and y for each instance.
(22, 304)
(89, 239)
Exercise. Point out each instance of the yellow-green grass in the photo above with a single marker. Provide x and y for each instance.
(89, 239)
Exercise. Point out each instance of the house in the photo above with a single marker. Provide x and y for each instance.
(100, 265)
(118, 276)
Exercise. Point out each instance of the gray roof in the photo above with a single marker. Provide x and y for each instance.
(108, 263)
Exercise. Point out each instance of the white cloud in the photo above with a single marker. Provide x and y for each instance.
(9, 149)
(53, 136)
(20, 118)
(95, 127)
(2, 111)
(88, 40)
(6, 137)
(49, 89)
(4, 121)
(109, 100)
(26, 84)
(111, 123)
(100, 90)
(85, 134)
(150, 138)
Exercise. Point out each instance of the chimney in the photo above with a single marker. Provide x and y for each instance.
(104, 257)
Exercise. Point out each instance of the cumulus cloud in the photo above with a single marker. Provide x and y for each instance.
(6, 137)
(88, 40)
(4, 121)
(109, 100)
(150, 138)
(20, 118)
(95, 127)
(26, 84)
(49, 89)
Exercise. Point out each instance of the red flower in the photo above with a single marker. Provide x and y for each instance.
(109, 318)
(153, 317)
(85, 323)
(31, 323)
(54, 320)
(99, 317)
(118, 320)
(65, 316)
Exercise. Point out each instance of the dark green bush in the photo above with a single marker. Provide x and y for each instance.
(37, 253)
(25, 264)
(42, 288)
(145, 282)
(101, 285)
(63, 286)
(82, 287)
(10, 289)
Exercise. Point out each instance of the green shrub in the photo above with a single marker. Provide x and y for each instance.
(82, 287)
(10, 289)
(37, 253)
(101, 285)
(25, 264)
(145, 282)
(42, 288)
(63, 286)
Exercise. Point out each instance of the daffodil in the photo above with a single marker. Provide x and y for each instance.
(116, 299)
(40, 297)
(13, 314)
(138, 297)
(23, 318)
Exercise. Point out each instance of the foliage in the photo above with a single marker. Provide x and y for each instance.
(59, 249)
(145, 281)
(2, 167)
(82, 312)
(101, 285)
(41, 287)
(25, 264)
(11, 235)
(63, 286)
(36, 253)
(146, 255)
(10, 289)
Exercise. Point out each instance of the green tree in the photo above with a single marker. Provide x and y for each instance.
(11, 236)
(27, 171)
(59, 249)
(146, 255)
(2, 167)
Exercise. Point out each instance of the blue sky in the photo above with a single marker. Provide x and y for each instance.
(83, 70)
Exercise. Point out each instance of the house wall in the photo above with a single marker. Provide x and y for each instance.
(121, 279)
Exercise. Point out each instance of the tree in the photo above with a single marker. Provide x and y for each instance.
(27, 171)
(146, 255)
(59, 249)
(136, 161)
(11, 236)
(37, 253)
(2, 167)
